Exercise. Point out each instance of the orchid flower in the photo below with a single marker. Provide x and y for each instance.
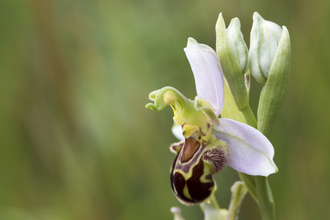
(209, 143)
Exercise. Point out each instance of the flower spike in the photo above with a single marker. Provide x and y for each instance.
(208, 143)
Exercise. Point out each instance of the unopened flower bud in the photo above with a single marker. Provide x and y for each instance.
(264, 40)
(238, 45)
(232, 52)
(270, 57)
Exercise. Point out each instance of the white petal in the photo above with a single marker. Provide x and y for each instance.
(177, 131)
(207, 71)
(250, 151)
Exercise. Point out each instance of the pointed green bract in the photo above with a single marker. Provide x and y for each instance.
(272, 95)
(230, 63)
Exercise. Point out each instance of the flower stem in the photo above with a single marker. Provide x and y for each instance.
(250, 184)
(265, 198)
(249, 116)
(258, 186)
(214, 202)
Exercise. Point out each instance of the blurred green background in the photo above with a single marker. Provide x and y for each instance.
(75, 139)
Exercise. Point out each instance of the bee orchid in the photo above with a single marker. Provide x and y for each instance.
(209, 143)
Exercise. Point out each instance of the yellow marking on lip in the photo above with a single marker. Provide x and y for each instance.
(206, 172)
(186, 192)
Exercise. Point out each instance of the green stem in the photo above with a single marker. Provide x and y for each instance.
(249, 116)
(259, 188)
(250, 184)
(265, 197)
(214, 201)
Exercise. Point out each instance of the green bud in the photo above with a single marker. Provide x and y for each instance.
(273, 92)
(238, 45)
(264, 40)
(232, 52)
